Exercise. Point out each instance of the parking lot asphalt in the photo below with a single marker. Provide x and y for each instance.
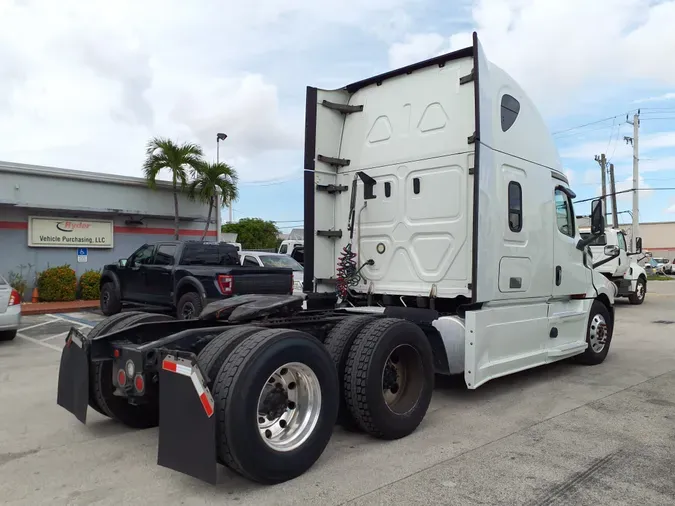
(559, 434)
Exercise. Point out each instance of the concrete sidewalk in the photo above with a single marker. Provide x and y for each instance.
(30, 308)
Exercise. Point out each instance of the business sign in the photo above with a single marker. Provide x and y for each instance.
(69, 233)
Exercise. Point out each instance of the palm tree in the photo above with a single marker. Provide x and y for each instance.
(209, 179)
(162, 154)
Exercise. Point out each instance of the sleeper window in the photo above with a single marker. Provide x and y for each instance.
(564, 214)
(515, 207)
(510, 109)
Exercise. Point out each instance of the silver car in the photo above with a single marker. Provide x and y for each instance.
(10, 311)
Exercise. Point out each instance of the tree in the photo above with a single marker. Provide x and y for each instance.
(163, 154)
(254, 233)
(210, 178)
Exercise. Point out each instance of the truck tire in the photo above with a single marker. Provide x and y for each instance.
(189, 306)
(140, 416)
(389, 378)
(290, 375)
(110, 300)
(339, 341)
(638, 297)
(212, 356)
(598, 335)
(103, 327)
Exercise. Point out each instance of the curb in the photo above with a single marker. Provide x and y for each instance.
(56, 307)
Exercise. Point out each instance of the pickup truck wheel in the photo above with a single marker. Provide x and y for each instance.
(140, 416)
(212, 356)
(389, 378)
(110, 299)
(338, 344)
(276, 400)
(190, 306)
(640, 291)
(103, 327)
(598, 335)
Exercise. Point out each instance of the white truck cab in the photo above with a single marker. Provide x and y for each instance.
(612, 258)
(435, 192)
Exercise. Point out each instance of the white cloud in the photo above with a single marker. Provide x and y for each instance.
(562, 51)
(626, 199)
(84, 85)
(658, 98)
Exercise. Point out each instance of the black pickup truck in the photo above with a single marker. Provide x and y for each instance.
(184, 276)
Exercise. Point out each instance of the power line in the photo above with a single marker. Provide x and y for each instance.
(588, 124)
(626, 191)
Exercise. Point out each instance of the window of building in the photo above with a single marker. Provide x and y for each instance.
(510, 110)
(564, 213)
(515, 207)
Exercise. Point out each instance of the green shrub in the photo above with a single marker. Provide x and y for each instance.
(90, 285)
(57, 284)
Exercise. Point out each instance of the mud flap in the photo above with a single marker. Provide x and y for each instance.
(187, 422)
(73, 387)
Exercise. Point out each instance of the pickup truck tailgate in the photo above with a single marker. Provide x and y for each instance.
(262, 280)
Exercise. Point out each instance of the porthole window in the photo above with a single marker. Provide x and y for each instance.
(510, 110)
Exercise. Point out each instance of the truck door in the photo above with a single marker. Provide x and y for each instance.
(623, 255)
(134, 278)
(571, 278)
(159, 279)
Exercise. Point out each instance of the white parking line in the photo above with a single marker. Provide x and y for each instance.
(40, 324)
(74, 321)
(37, 341)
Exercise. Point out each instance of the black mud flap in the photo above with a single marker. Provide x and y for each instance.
(187, 422)
(73, 388)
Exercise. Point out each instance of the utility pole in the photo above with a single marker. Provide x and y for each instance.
(612, 189)
(603, 168)
(635, 229)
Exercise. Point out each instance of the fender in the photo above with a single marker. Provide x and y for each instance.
(109, 275)
(193, 283)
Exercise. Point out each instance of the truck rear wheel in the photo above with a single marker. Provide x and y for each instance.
(212, 356)
(276, 400)
(338, 343)
(189, 306)
(638, 297)
(103, 327)
(110, 300)
(598, 335)
(389, 378)
(140, 416)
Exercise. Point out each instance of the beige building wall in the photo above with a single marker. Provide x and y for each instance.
(657, 238)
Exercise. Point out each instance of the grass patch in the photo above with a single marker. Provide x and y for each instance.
(658, 277)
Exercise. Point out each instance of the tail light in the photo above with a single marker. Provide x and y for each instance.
(14, 298)
(139, 383)
(226, 284)
(121, 378)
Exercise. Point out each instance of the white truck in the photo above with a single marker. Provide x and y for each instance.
(612, 258)
(294, 245)
(440, 237)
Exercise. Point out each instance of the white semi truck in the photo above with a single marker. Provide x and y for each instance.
(612, 258)
(440, 237)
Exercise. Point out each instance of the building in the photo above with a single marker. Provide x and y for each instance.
(51, 217)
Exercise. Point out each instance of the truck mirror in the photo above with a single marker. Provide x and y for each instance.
(638, 245)
(597, 218)
(122, 262)
(612, 251)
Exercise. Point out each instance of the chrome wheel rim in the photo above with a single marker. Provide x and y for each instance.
(188, 310)
(598, 333)
(402, 379)
(289, 406)
(640, 290)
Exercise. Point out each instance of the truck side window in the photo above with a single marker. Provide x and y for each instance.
(564, 214)
(165, 254)
(283, 249)
(143, 255)
(621, 239)
(515, 207)
(510, 110)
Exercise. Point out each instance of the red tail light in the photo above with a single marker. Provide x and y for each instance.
(14, 298)
(121, 378)
(226, 284)
(139, 383)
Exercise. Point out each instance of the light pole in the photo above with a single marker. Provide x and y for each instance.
(219, 225)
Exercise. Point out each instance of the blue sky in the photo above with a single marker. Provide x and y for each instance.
(85, 84)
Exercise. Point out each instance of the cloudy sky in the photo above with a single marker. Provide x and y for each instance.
(85, 83)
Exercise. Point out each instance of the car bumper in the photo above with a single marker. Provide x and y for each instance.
(10, 319)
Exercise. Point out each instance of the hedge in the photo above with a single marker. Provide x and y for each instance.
(89, 285)
(57, 284)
